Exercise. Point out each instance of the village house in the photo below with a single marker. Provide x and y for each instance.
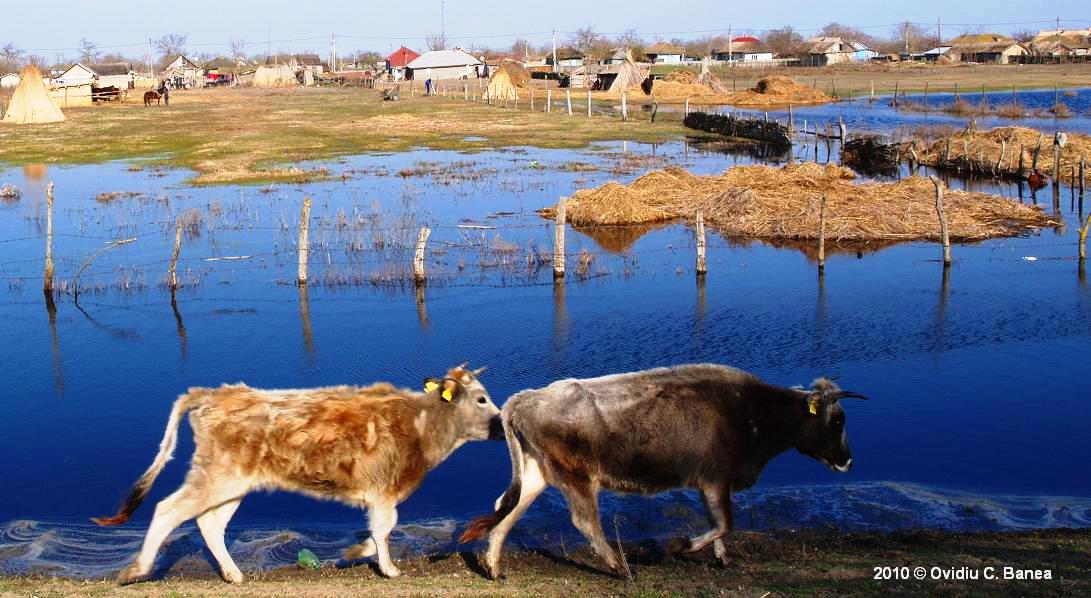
(9, 81)
(444, 64)
(112, 74)
(1060, 45)
(664, 53)
(568, 59)
(826, 50)
(310, 62)
(183, 73)
(398, 60)
(745, 49)
(616, 56)
(989, 48)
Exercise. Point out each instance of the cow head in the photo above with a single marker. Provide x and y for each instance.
(477, 418)
(822, 435)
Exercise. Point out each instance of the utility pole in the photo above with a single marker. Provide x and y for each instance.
(939, 34)
(554, 50)
(268, 44)
(729, 45)
(906, 37)
(442, 21)
(333, 52)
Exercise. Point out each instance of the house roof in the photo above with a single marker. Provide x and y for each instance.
(79, 66)
(220, 62)
(1061, 39)
(308, 59)
(185, 60)
(112, 68)
(401, 57)
(986, 48)
(743, 45)
(443, 58)
(745, 38)
(980, 38)
(937, 51)
(664, 48)
(826, 45)
(567, 54)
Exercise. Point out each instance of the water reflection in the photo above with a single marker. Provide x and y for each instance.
(55, 345)
(941, 313)
(305, 321)
(422, 307)
(618, 239)
(560, 323)
(180, 327)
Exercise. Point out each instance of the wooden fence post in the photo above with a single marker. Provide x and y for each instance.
(624, 107)
(558, 240)
(1081, 174)
(655, 109)
(304, 248)
(1083, 239)
(532, 99)
(944, 237)
(791, 120)
(842, 129)
(549, 100)
(1058, 144)
(702, 261)
(568, 100)
(871, 98)
(418, 257)
(822, 235)
(173, 271)
(47, 284)
(588, 103)
(686, 113)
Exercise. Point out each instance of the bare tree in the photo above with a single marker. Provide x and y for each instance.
(11, 58)
(1023, 35)
(630, 39)
(171, 44)
(583, 39)
(238, 50)
(784, 41)
(88, 51)
(436, 41)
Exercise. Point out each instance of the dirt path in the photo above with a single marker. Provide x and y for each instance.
(784, 564)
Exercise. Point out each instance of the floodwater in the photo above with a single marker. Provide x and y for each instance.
(977, 378)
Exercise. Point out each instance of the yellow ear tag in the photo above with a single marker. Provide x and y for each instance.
(430, 386)
(813, 406)
(447, 396)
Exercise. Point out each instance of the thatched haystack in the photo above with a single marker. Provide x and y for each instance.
(682, 84)
(980, 151)
(507, 80)
(783, 203)
(278, 75)
(779, 90)
(629, 78)
(30, 104)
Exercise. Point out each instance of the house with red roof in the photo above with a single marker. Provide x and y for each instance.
(398, 60)
(744, 48)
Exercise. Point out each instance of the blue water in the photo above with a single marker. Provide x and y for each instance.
(978, 417)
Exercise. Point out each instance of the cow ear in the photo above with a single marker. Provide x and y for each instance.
(451, 389)
(815, 402)
(430, 384)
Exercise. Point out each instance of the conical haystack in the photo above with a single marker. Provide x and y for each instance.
(506, 81)
(31, 104)
(279, 75)
(629, 75)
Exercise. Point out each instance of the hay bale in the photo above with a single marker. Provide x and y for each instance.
(782, 204)
(779, 90)
(979, 151)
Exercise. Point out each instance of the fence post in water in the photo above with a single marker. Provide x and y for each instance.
(655, 109)
(47, 284)
(418, 257)
(1059, 141)
(943, 233)
(568, 100)
(702, 262)
(1022, 149)
(1083, 239)
(304, 249)
(1081, 175)
(895, 94)
(871, 98)
(558, 240)
(956, 91)
(842, 129)
(1037, 154)
(822, 235)
(925, 95)
(791, 121)
(173, 272)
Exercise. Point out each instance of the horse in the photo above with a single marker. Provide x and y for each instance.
(151, 95)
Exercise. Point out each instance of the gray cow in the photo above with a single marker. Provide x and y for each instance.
(701, 426)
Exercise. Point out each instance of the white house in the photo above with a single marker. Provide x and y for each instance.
(745, 49)
(664, 53)
(444, 64)
(75, 75)
(114, 74)
(10, 80)
(183, 72)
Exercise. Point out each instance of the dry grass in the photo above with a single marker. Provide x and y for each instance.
(681, 84)
(980, 151)
(783, 203)
(10, 192)
(779, 90)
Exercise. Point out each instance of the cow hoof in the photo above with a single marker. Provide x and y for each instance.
(676, 546)
(390, 572)
(130, 574)
(232, 576)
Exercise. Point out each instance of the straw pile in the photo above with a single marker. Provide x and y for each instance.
(980, 151)
(682, 84)
(783, 203)
(780, 90)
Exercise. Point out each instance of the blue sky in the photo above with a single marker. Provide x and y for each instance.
(58, 25)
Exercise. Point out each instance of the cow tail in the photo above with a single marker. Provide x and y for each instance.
(166, 450)
(483, 525)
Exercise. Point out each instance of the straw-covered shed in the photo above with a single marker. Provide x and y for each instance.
(629, 76)
(274, 75)
(30, 104)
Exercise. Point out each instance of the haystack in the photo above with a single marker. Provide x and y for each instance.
(779, 90)
(981, 151)
(783, 203)
(30, 104)
(629, 76)
(278, 75)
(682, 84)
(507, 80)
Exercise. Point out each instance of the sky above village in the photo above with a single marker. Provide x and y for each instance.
(126, 25)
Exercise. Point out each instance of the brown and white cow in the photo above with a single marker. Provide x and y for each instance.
(365, 446)
(702, 426)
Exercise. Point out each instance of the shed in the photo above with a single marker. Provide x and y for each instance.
(444, 64)
(664, 53)
(114, 74)
(77, 73)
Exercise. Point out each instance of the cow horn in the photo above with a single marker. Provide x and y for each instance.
(845, 394)
(478, 371)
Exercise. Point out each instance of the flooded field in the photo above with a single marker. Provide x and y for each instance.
(978, 411)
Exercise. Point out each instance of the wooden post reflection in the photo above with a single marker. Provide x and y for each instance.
(181, 327)
(560, 318)
(305, 320)
(422, 307)
(821, 313)
(941, 312)
(55, 345)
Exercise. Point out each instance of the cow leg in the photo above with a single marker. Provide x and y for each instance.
(532, 485)
(186, 503)
(584, 504)
(381, 521)
(718, 502)
(212, 524)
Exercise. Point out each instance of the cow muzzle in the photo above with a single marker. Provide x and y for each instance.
(496, 428)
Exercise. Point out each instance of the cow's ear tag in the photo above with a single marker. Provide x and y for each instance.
(813, 405)
(430, 385)
(447, 395)
(449, 389)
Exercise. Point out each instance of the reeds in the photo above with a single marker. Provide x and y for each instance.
(980, 151)
(782, 203)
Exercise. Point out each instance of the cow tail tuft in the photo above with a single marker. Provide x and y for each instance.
(483, 525)
(166, 451)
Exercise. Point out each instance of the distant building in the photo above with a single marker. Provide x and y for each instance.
(989, 48)
(309, 62)
(664, 53)
(398, 60)
(112, 74)
(183, 73)
(9, 80)
(825, 50)
(568, 59)
(616, 56)
(934, 54)
(444, 64)
(1061, 44)
(744, 48)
